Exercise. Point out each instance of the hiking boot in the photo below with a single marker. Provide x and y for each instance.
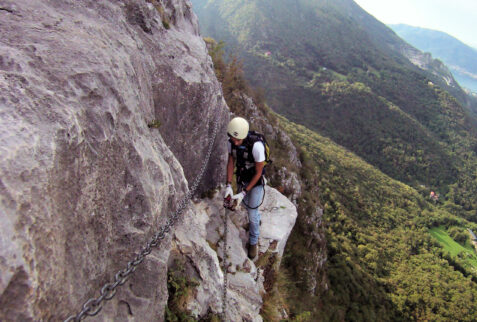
(252, 251)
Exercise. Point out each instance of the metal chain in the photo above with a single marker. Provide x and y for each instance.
(94, 305)
(224, 297)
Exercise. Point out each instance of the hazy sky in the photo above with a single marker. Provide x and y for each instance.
(457, 18)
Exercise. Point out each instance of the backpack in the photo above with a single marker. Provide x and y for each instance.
(244, 156)
(254, 137)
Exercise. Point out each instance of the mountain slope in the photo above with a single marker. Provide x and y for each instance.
(335, 69)
(461, 58)
(382, 264)
(403, 131)
(372, 223)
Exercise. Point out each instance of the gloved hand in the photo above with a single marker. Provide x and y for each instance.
(239, 197)
(228, 190)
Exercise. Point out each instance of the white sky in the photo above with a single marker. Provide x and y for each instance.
(457, 18)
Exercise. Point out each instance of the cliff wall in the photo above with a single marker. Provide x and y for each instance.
(107, 109)
(85, 175)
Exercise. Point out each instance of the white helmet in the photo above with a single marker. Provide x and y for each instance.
(238, 128)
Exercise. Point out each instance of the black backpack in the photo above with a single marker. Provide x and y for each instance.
(244, 158)
(254, 137)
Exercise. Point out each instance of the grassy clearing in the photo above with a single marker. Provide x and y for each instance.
(454, 248)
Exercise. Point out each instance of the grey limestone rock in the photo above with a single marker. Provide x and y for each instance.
(86, 177)
(200, 240)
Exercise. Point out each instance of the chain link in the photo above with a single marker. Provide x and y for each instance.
(224, 297)
(94, 305)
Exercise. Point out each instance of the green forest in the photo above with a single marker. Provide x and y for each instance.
(375, 135)
(331, 67)
(383, 263)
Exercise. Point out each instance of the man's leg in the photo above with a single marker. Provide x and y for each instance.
(253, 199)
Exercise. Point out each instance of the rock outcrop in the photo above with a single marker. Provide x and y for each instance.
(199, 242)
(426, 62)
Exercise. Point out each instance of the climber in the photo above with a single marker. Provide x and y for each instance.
(247, 151)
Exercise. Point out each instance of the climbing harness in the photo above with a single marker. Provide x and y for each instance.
(263, 198)
(231, 204)
(94, 305)
(224, 297)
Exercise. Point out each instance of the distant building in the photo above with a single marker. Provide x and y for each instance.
(434, 196)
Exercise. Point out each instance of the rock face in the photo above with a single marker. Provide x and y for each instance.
(200, 242)
(426, 62)
(106, 107)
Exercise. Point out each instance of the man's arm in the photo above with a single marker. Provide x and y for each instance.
(258, 173)
(230, 168)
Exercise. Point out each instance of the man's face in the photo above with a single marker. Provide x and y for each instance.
(236, 142)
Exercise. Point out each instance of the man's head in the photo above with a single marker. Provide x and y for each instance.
(237, 130)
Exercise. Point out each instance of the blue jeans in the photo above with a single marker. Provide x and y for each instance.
(252, 200)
